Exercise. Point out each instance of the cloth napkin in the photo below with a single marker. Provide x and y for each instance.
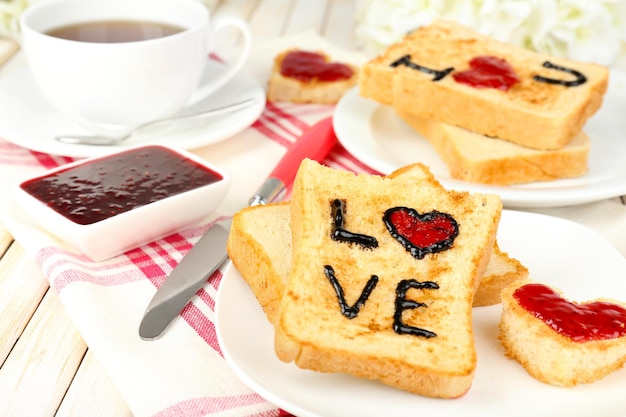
(184, 373)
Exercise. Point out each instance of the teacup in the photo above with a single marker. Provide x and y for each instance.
(158, 65)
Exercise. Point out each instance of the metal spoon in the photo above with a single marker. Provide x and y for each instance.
(114, 140)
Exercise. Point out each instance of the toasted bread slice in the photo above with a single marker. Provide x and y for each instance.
(259, 246)
(552, 355)
(383, 275)
(477, 158)
(283, 88)
(544, 114)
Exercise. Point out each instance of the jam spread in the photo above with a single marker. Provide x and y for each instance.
(579, 322)
(308, 66)
(340, 234)
(437, 74)
(347, 310)
(579, 76)
(488, 72)
(402, 303)
(421, 234)
(108, 186)
(492, 72)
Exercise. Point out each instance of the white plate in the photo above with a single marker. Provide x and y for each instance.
(380, 139)
(557, 252)
(28, 120)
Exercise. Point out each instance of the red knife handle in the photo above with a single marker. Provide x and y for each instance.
(314, 144)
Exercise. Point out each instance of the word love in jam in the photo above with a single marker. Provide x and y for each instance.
(492, 72)
(419, 234)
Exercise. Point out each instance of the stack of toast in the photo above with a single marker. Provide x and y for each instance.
(374, 276)
(496, 114)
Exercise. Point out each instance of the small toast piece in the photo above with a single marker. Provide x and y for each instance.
(501, 271)
(313, 89)
(477, 158)
(537, 114)
(553, 356)
(382, 279)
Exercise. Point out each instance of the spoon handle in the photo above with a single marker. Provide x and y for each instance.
(102, 140)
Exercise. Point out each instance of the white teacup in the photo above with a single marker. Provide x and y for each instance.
(107, 87)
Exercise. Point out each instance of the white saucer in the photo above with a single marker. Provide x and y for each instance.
(28, 120)
(377, 137)
(557, 252)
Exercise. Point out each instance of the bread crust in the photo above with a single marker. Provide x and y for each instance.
(550, 357)
(531, 113)
(473, 157)
(286, 89)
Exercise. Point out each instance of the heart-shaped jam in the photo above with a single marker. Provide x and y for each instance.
(307, 66)
(421, 234)
(596, 320)
(488, 72)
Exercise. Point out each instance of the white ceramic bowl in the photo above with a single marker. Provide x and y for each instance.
(120, 181)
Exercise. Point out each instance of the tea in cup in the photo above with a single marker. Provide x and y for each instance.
(113, 65)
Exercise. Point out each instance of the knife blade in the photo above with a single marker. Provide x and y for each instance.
(209, 253)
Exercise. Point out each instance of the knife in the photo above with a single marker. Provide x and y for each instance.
(209, 253)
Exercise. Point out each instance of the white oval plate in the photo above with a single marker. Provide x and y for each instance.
(377, 137)
(28, 120)
(557, 252)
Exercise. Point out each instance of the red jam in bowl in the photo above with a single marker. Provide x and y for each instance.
(96, 190)
(579, 322)
(307, 66)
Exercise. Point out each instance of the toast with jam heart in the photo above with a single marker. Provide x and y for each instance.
(300, 76)
(470, 156)
(382, 278)
(561, 342)
(452, 74)
(259, 245)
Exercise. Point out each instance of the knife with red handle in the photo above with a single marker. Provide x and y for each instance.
(209, 253)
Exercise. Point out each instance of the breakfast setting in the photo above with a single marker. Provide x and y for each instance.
(281, 208)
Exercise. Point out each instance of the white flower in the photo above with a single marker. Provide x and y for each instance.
(10, 11)
(586, 30)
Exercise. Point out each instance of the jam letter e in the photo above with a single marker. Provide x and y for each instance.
(350, 311)
(403, 304)
(406, 61)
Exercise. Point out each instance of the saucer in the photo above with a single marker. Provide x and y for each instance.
(28, 120)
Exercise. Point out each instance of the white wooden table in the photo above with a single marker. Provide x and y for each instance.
(46, 367)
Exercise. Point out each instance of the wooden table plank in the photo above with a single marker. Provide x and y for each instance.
(306, 16)
(22, 286)
(269, 19)
(92, 394)
(339, 27)
(43, 362)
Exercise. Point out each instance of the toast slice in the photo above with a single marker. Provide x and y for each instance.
(259, 246)
(547, 106)
(477, 158)
(312, 86)
(549, 352)
(383, 274)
